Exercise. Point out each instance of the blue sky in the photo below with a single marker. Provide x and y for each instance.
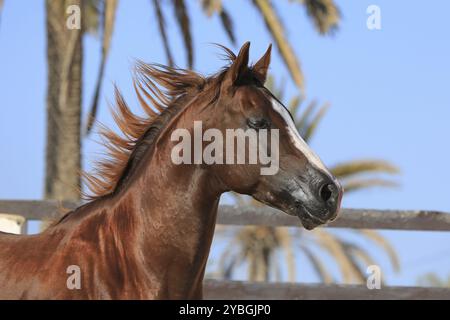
(388, 89)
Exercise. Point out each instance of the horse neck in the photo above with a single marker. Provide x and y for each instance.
(175, 199)
(176, 206)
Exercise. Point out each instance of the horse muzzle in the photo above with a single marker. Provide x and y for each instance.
(320, 205)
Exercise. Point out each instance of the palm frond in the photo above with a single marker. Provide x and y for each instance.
(324, 14)
(211, 6)
(384, 244)
(257, 247)
(285, 241)
(227, 24)
(270, 84)
(351, 168)
(255, 270)
(275, 27)
(312, 126)
(184, 23)
(230, 258)
(108, 17)
(317, 265)
(294, 104)
(162, 30)
(301, 122)
(352, 252)
(277, 90)
(359, 184)
(92, 16)
(334, 246)
(359, 253)
(277, 271)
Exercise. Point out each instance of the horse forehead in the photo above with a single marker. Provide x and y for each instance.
(252, 97)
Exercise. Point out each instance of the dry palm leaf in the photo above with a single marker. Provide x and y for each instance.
(162, 30)
(275, 27)
(184, 23)
(109, 12)
(324, 13)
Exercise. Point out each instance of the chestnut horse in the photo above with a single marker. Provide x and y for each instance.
(147, 230)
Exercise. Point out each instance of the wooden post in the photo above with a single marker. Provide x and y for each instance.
(11, 223)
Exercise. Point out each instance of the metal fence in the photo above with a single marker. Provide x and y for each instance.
(248, 215)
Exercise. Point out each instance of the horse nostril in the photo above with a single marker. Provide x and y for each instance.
(326, 192)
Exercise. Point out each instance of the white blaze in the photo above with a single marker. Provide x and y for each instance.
(297, 140)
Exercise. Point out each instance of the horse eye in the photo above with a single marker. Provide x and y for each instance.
(258, 123)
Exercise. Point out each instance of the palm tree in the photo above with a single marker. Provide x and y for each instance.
(259, 247)
(323, 13)
(64, 59)
(64, 87)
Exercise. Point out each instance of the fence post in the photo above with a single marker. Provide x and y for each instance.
(12, 223)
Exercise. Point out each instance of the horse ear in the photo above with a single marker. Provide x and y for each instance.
(238, 67)
(260, 68)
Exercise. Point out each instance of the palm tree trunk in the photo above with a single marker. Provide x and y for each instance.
(64, 59)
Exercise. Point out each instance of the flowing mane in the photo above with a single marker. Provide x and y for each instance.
(148, 232)
(159, 90)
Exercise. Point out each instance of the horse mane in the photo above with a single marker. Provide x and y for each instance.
(159, 90)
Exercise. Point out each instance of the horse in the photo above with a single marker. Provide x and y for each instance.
(146, 231)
